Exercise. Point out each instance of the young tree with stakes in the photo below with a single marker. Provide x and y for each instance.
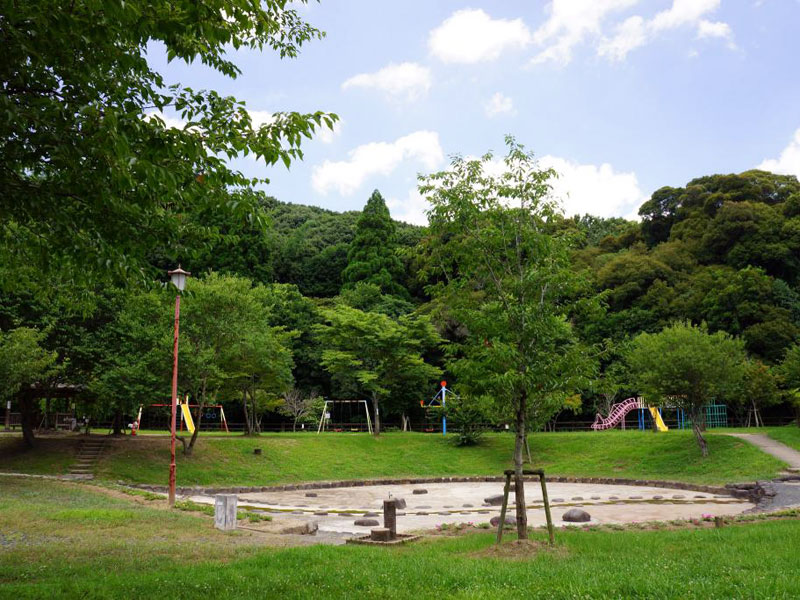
(506, 278)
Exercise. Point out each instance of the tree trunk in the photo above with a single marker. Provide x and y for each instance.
(519, 489)
(47, 414)
(698, 427)
(294, 425)
(377, 424)
(198, 419)
(116, 422)
(27, 419)
(247, 427)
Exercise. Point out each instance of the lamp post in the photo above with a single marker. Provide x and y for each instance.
(178, 277)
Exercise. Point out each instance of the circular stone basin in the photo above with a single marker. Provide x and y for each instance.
(606, 503)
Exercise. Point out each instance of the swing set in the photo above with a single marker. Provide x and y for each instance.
(337, 415)
(212, 412)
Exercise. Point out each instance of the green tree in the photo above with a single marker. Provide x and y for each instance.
(506, 278)
(81, 129)
(375, 354)
(789, 369)
(686, 366)
(23, 362)
(372, 257)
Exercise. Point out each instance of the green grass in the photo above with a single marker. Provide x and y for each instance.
(789, 435)
(158, 554)
(309, 457)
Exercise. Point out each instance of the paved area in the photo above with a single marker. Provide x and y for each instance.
(336, 509)
(780, 451)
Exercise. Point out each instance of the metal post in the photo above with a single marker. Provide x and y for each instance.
(444, 418)
(172, 467)
(8, 415)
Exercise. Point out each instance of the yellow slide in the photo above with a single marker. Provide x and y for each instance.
(187, 416)
(657, 418)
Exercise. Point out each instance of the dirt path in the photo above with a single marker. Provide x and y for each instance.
(780, 451)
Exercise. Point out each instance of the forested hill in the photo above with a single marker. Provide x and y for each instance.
(305, 246)
(724, 249)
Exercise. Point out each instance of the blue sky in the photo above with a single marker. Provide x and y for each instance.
(620, 96)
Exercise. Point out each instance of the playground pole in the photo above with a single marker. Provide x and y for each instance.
(444, 399)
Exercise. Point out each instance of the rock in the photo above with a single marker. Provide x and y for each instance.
(595, 497)
(613, 497)
(658, 497)
(309, 528)
(422, 506)
(557, 500)
(494, 521)
(321, 513)
(466, 505)
(496, 500)
(576, 515)
(577, 498)
(419, 492)
(366, 522)
(634, 497)
(371, 514)
(311, 495)
(447, 506)
(400, 502)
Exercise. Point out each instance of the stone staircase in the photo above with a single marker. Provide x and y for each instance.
(89, 451)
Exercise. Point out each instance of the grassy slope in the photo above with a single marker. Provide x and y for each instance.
(60, 541)
(789, 435)
(50, 456)
(308, 457)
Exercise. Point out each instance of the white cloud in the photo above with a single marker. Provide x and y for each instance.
(471, 36)
(410, 209)
(683, 12)
(499, 104)
(376, 158)
(569, 23)
(635, 31)
(789, 161)
(407, 80)
(327, 136)
(630, 34)
(169, 122)
(261, 117)
(597, 190)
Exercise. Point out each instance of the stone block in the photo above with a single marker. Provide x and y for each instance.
(380, 534)
(225, 511)
(496, 500)
(510, 520)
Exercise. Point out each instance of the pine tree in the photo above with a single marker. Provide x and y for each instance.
(372, 257)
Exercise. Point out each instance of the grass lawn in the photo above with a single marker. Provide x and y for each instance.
(789, 435)
(64, 540)
(309, 457)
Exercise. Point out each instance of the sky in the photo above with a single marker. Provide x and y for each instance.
(620, 97)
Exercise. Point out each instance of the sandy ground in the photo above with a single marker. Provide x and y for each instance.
(336, 509)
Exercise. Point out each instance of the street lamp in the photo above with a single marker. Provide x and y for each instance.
(178, 277)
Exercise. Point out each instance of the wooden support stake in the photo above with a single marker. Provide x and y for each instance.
(550, 532)
(502, 522)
